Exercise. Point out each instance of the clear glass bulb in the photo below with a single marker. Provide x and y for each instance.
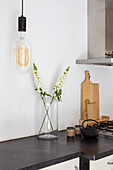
(22, 53)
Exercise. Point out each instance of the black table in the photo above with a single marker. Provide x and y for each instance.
(31, 153)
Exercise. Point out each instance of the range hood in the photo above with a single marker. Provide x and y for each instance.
(100, 33)
(96, 61)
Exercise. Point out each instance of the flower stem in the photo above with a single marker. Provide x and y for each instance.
(42, 124)
(46, 115)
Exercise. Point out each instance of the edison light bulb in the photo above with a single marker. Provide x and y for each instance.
(22, 53)
(22, 47)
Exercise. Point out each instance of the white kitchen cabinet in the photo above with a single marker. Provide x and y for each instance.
(68, 165)
(102, 164)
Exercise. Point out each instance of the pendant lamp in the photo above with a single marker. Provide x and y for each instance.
(22, 47)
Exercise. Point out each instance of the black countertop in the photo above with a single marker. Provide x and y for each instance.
(31, 153)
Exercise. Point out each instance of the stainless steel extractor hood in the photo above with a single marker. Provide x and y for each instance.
(96, 61)
(100, 33)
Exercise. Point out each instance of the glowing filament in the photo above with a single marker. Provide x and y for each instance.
(22, 56)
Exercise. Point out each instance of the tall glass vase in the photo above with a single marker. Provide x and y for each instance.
(48, 119)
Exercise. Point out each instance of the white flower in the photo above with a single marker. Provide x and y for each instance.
(57, 91)
(37, 80)
(61, 80)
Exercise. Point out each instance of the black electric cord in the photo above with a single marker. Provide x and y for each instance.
(22, 7)
(22, 21)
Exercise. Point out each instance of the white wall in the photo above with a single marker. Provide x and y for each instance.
(58, 33)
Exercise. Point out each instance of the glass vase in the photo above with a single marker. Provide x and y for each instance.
(48, 129)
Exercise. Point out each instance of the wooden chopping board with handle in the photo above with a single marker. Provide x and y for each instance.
(89, 99)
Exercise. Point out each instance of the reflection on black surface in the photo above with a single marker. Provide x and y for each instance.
(89, 140)
(70, 139)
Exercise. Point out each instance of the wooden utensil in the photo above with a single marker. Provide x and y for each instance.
(89, 99)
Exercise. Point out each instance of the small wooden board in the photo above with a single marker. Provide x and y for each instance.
(104, 119)
(89, 99)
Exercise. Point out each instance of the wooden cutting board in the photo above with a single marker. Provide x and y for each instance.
(89, 99)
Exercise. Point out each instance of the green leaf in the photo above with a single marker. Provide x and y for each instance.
(34, 66)
(40, 89)
(68, 68)
(58, 94)
(48, 95)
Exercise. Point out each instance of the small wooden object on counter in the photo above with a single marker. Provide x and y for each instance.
(104, 119)
(90, 101)
(70, 131)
